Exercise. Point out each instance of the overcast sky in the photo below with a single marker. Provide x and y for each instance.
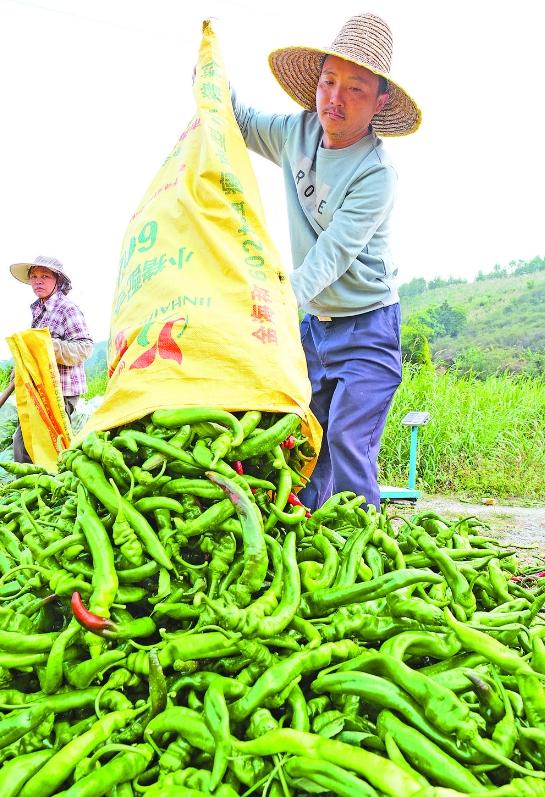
(95, 94)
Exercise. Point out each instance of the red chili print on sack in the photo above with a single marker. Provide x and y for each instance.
(166, 346)
(121, 346)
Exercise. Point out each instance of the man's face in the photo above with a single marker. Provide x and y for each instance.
(346, 100)
(43, 281)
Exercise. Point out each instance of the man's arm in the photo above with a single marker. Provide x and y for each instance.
(352, 226)
(263, 133)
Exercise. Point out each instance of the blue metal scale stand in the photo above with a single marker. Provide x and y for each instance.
(409, 493)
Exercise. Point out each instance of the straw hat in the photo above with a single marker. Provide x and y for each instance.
(365, 40)
(21, 271)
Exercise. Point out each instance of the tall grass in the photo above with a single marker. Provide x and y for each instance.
(96, 384)
(5, 373)
(485, 437)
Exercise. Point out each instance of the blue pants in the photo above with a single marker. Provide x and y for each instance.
(354, 366)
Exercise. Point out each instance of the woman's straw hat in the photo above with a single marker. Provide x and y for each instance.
(365, 40)
(21, 271)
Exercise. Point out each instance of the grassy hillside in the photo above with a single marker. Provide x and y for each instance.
(504, 330)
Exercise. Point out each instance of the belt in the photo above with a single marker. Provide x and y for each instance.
(324, 318)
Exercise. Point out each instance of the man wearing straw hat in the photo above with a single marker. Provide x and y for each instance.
(72, 343)
(340, 186)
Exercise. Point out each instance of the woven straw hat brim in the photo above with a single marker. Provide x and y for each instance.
(20, 272)
(298, 70)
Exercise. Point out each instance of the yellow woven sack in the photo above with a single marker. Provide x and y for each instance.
(203, 312)
(40, 405)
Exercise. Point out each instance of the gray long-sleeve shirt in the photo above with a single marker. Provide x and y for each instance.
(339, 204)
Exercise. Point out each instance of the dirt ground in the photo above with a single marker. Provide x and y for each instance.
(521, 527)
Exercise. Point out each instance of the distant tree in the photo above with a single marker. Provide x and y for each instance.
(497, 272)
(443, 320)
(415, 287)
(452, 319)
(439, 282)
(522, 267)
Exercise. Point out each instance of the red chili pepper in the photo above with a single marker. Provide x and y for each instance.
(90, 621)
(529, 576)
(237, 465)
(294, 501)
(289, 442)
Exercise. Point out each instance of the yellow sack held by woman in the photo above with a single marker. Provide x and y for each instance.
(203, 312)
(44, 423)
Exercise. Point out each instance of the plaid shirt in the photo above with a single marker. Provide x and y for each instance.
(65, 321)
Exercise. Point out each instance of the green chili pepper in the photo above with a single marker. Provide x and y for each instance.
(464, 600)
(83, 674)
(20, 721)
(318, 602)
(421, 643)
(222, 553)
(96, 447)
(186, 486)
(350, 557)
(185, 722)
(121, 768)
(93, 478)
(53, 675)
(426, 756)
(261, 442)
(283, 490)
(443, 708)
(15, 773)
(381, 773)
(480, 642)
(190, 415)
(207, 520)
(56, 770)
(216, 716)
(250, 621)
(255, 549)
(315, 575)
(21, 469)
(297, 702)
(327, 776)
(280, 675)
(135, 575)
(105, 581)
(184, 647)
(385, 694)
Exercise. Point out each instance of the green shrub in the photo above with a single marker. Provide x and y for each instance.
(415, 343)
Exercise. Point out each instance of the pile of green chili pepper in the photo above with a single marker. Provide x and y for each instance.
(175, 623)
